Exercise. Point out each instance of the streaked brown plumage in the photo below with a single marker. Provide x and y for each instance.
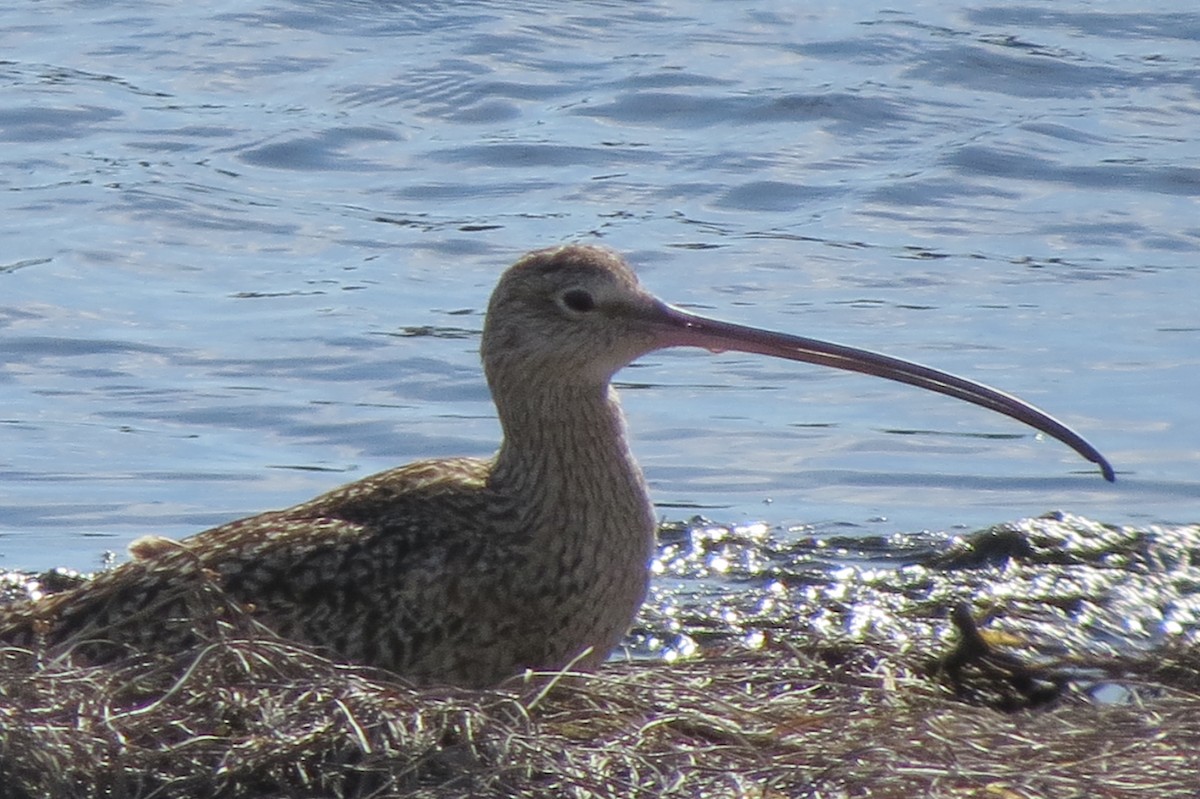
(461, 570)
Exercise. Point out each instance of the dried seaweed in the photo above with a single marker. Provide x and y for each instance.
(254, 717)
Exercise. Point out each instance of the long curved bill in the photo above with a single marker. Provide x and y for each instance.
(680, 328)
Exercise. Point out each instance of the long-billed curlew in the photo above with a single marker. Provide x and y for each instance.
(468, 571)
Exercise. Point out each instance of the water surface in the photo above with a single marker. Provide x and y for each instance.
(246, 249)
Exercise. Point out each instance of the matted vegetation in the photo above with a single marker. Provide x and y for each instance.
(857, 686)
(260, 717)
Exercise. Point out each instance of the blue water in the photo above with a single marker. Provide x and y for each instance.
(246, 248)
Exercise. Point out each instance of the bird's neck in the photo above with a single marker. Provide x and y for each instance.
(574, 498)
(565, 454)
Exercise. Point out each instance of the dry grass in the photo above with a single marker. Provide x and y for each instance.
(881, 716)
(258, 717)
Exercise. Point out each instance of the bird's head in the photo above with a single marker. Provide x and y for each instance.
(572, 314)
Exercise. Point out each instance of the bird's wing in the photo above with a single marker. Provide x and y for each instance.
(366, 539)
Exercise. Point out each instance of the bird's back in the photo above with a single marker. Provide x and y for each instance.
(392, 571)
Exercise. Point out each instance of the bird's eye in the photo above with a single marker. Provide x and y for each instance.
(578, 300)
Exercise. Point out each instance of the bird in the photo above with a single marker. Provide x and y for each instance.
(468, 571)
